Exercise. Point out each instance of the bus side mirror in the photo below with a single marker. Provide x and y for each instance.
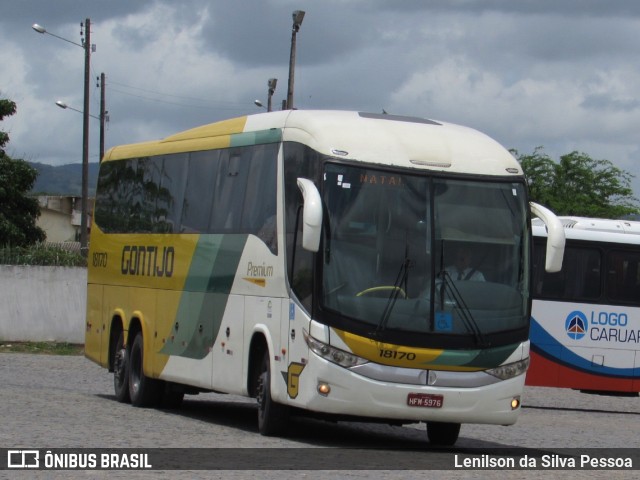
(311, 215)
(555, 237)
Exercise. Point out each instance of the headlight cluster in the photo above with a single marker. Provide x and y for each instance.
(334, 355)
(511, 370)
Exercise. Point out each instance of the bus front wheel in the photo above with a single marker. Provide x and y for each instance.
(142, 389)
(121, 370)
(441, 433)
(272, 416)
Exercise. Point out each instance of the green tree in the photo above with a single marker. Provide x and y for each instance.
(7, 108)
(18, 212)
(578, 185)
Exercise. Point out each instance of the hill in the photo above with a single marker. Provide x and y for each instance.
(63, 179)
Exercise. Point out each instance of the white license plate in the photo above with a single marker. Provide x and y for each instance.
(425, 400)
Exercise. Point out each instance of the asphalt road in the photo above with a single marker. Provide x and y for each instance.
(67, 402)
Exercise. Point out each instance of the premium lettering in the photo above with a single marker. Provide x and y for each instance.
(263, 270)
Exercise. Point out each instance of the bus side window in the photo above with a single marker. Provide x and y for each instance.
(198, 195)
(591, 287)
(302, 280)
(299, 161)
(553, 285)
(623, 276)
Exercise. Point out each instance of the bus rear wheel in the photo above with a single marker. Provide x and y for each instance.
(142, 389)
(441, 433)
(121, 370)
(272, 417)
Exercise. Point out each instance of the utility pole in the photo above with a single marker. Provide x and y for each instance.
(103, 115)
(85, 30)
(298, 16)
(85, 139)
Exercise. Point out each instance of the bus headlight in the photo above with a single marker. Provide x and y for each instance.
(334, 355)
(505, 372)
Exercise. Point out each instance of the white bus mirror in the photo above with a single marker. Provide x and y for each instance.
(311, 215)
(555, 237)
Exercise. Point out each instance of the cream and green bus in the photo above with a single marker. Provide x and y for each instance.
(303, 258)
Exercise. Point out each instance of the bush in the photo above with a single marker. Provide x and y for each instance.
(42, 254)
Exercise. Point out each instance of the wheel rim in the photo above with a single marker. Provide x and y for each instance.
(261, 394)
(119, 369)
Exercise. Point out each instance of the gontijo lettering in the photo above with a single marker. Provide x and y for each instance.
(147, 261)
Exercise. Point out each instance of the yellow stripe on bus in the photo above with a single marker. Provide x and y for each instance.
(208, 137)
(398, 356)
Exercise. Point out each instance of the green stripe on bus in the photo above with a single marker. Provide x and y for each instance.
(494, 356)
(204, 299)
(480, 359)
(273, 135)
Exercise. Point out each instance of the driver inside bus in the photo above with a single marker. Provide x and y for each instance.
(463, 268)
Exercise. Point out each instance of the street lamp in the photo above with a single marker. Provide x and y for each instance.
(104, 117)
(87, 47)
(272, 88)
(298, 16)
(64, 106)
(41, 29)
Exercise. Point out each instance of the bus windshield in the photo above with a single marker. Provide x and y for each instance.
(423, 254)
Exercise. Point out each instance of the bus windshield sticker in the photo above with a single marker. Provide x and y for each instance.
(444, 322)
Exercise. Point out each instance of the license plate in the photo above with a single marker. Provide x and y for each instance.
(426, 400)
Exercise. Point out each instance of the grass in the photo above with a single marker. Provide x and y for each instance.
(43, 255)
(48, 348)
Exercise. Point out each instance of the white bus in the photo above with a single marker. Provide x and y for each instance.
(585, 326)
(300, 257)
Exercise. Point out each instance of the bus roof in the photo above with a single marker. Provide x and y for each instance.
(594, 229)
(375, 138)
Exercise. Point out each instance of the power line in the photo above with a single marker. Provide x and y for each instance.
(207, 103)
(164, 94)
(229, 105)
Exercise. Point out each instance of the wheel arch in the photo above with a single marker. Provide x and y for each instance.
(116, 327)
(261, 342)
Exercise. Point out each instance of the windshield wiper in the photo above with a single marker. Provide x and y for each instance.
(393, 297)
(465, 313)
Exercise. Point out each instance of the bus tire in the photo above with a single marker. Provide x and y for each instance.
(121, 370)
(142, 389)
(441, 433)
(272, 417)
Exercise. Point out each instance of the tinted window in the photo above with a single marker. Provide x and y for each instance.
(579, 279)
(217, 191)
(623, 276)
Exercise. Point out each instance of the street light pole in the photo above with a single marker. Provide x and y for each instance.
(103, 115)
(298, 16)
(86, 45)
(85, 141)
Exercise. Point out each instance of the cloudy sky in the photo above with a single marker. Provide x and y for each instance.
(563, 74)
